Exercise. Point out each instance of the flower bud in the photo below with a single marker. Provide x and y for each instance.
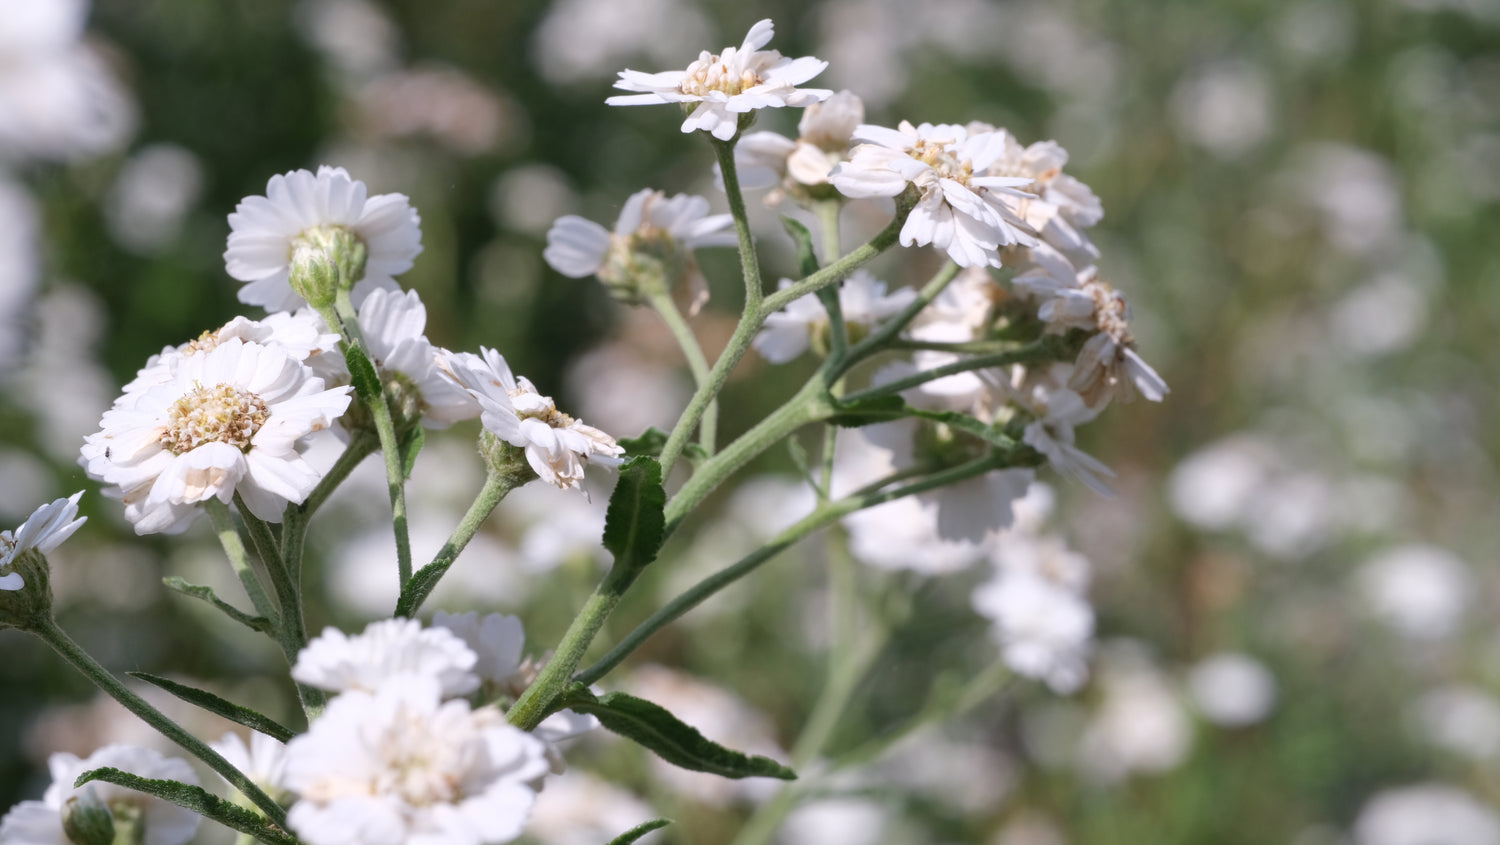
(325, 260)
(30, 605)
(506, 460)
(86, 820)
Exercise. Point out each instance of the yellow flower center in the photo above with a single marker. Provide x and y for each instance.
(219, 414)
(713, 74)
(935, 154)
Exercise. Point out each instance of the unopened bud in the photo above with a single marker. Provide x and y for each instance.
(28, 606)
(86, 820)
(325, 260)
(506, 460)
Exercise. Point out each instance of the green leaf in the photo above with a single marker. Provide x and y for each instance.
(870, 411)
(635, 525)
(639, 830)
(649, 444)
(807, 257)
(254, 623)
(967, 424)
(196, 799)
(362, 374)
(654, 727)
(214, 704)
(409, 446)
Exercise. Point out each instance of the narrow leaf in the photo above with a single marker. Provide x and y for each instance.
(423, 582)
(196, 799)
(799, 459)
(968, 425)
(410, 445)
(255, 623)
(214, 704)
(671, 739)
(807, 258)
(362, 374)
(870, 411)
(639, 830)
(650, 443)
(634, 525)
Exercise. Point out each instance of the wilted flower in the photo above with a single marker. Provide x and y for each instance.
(728, 85)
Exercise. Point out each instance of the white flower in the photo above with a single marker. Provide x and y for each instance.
(862, 300)
(767, 159)
(387, 650)
(58, 97)
(401, 765)
(1426, 813)
(960, 211)
(43, 531)
(1421, 591)
(557, 446)
(1043, 628)
(392, 323)
(1232, 689)
(20, 271)
(300, 334)
(229, 421)
(1057, 206)
(652, 242)
(263, 760)
(264, 231)
(727, 85)
(1109, 367)
(1141, 725)
(1052, 433)
(40, 822)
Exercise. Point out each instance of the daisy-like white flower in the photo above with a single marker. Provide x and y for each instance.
(300, 334)
(1058, 412)
(263, 760)
(557, 446)
(728, 85)
(1043, 628)
(400, 765)
(300, 208)
(393, 325)
(43, 531)
(652, 244)
(163, 823)
(1057, 206)
(229, 421)
(771, 160)
(862, 299)
(392, 648)
(961, 210)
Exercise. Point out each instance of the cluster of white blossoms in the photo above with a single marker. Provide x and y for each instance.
(155, 820)
(415, 747)
(43, 531)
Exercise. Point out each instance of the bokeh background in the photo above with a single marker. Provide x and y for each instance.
(1295, 584)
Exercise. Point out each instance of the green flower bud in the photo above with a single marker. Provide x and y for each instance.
(30, 606)
(325, 260)
(506, 460)
(86, 820)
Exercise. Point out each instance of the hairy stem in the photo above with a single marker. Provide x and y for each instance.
(234, 549)
(496, 486)
(683, 333)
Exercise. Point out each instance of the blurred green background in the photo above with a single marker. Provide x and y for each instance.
(1302, 203)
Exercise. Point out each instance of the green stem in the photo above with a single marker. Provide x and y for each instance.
(749, 263)
(291, 627)
(234, 549)
(496, 486)
(972, 347)
(54, 636)
(538, 700)
(838, 331)
(683, 333)
(385, 428)
(824, 514)
(1039, 350)
(808, 405)
(295, 521)
(881, 337)
(858, 257)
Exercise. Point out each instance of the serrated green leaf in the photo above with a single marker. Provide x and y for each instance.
(870, 411)
(650, 443)
(410, 445)
(196, 799)
(214, 704)
(363, 375)
(671, 739)
(254, 623)
(807, 257)
(638, 831)
(421, 584)
(635, 525)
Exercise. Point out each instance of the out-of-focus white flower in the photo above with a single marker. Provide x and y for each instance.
(652, 243)
(1227, 108)
(1426, 813)
(1460, 719)
(43, 531)
(393, 323)
(1043, 623)
(20, 269)
(388, 649)
(401, 765)
(838, 821)
(229, 421)
(1215, 487)
(1421, 591)
(584, 39)
(266, 230)
(557, 446)
(1058, 413)
(1141, 726)
(960, 211)
(1232, 689)
(728, 85)
(771, 160)
(356, 37)
(154, 190)
(59, 99)
(164, 823)
(578, 808)
(863, 302)
(263, 760)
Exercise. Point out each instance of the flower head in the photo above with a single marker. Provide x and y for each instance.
(557, 446)
(800, 168)
(392, 324)
(228, 421)
(303, 214)
(161, 822)
(402, 765)
(389, 649)
(729, 84)
(961, 210)
(43, 531)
